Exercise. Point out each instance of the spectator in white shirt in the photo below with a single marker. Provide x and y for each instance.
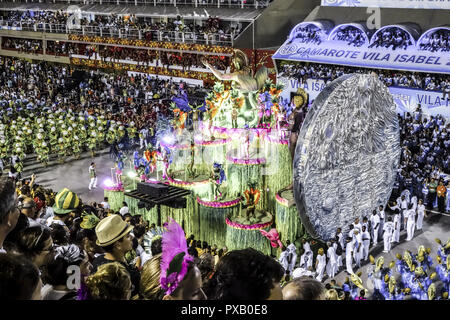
(124, 210)
(105, 203)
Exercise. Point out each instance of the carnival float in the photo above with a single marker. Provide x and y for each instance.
(232, 154)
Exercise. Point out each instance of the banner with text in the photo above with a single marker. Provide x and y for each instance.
(432, 102)
(336, 52)
(410, 4)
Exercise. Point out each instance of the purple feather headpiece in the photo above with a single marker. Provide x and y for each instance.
(175, 258)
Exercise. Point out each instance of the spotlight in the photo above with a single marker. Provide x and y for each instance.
(198, 138)
(132, 174)
(168, 140)
(108, 183)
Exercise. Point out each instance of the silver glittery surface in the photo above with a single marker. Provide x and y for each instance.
(347, 154)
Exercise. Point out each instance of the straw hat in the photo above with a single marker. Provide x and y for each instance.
(111, 229)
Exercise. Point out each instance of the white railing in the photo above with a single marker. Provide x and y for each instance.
(125, 33)
(195, 3)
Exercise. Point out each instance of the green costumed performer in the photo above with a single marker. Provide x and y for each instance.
(82, 135)
(76, 147)
(19, 148)
(61, 150)
(120, 133)
(111, 135)
(53, 136)
(43, 156)
(100, 134)
(3, 148)
(132, 132)
(67, 136)
(28, 139)
(92, 141)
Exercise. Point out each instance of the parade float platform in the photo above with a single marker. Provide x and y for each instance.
(263, 161)
(239, 154)
(287, 218)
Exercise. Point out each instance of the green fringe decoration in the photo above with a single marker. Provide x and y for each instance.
(213, 228)
(288, 223)
(279, 172)
(237, 239)
(115, 199)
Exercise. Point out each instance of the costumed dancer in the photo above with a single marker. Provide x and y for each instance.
(387, 235)
(420, 214)
(365, 243)
(217, 178)
(136, 160)
(252, 196)
(76, 147)
(92, 143)
(190, 168)
(321, 263)
(332, 259)
(444, 249)
(292, 256)
(423, 258)
(120, 165)
(61, 150)
(397, 225)
(143, 138)
(132, 132)
(356, 283)
(283, 258)
(167, 160)
(375, 274)
(349, 255)
(274, 238)
(443, 271)
(410, 221)
(43, 155)
(375, 223)
(93, 176)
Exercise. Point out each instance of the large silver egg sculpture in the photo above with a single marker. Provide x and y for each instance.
(347, 154)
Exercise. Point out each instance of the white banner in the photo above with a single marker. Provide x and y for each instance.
(335, 52)
(407, 100)
(409, 4)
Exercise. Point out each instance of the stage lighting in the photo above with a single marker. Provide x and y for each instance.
(170, 140)
(109, 183)
(132, 174)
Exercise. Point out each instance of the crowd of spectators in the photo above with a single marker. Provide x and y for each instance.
(425, 158)
(43, 86)
(212, 29)
(309, 34)
(152, 57)
(353, 36)
(22, 45)
(393, 36)
(438, 41)
(425, 81)
(223, 3)
(120, 256)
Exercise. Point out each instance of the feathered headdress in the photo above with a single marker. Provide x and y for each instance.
(175, 258)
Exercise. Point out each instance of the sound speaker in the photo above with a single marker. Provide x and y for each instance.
(179, 203)
(153, 190)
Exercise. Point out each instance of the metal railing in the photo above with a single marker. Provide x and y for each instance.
(124, 33)
(257, 4)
